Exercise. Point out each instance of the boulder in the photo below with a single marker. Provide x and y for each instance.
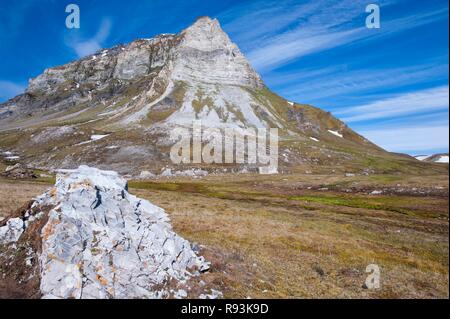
(18, 171)
(167, 172)
(96, 240)
(146, 175)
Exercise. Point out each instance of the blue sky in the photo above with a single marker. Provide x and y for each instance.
(389, 84)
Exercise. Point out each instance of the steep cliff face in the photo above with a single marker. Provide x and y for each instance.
(202, 57)
(207, 55)
(95, 79)
(134, 95)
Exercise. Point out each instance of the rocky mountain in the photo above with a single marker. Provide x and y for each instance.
(115, 109)
(87, 237)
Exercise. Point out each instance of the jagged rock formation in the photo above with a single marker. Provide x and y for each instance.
(98, 241)
(134, 95)
(200, 55)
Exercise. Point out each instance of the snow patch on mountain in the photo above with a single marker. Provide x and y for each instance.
(422, 157)
(442, 159)
(336, 133)
(98, 137)
(435, 158)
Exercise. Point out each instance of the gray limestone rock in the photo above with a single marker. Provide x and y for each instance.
(99, 241)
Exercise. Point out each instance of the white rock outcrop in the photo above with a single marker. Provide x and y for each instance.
(192, 173)
(268, 170)
(99, 241)
(146, 175)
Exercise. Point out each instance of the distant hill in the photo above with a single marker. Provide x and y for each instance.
(436, 158)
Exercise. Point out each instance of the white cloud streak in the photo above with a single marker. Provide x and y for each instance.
(412, 140)
(336, 81)
(10, 89)
(86, 47)
(434, 99)
(258, 21)
(277, 33)
(296, 44)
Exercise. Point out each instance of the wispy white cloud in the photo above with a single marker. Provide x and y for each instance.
(332, 82)
(413, 21)
(295, 44)
(84, 47)
(277, 33)
(427, 100)
(10, 89)
(412, 140)
(258, 20)
(318, 26)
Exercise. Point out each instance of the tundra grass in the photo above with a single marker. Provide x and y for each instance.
(267, 237)
(267, 248)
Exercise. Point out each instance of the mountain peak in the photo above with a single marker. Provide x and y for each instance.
(206, 34)
(206, 24)
(148, 87)
(207, 54)
(205, 20)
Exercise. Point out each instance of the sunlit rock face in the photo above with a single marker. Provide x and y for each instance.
(200, 58)
(136, 94)
(99, 241)
(206, 54)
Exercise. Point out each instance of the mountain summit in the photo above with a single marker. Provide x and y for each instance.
(115, 109)
(207, 55)
(170, 77)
